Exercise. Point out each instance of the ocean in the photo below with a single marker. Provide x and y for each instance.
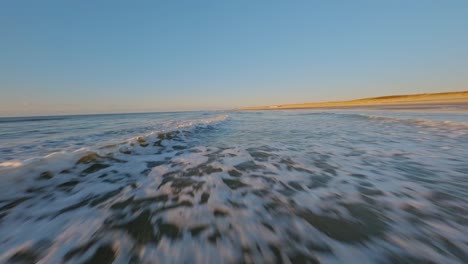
(298, 186)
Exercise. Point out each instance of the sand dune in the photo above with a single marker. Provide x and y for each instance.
(449, 101)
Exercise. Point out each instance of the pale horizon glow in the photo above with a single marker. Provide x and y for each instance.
(84, 57)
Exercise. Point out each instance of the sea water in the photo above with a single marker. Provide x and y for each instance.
(226, 187)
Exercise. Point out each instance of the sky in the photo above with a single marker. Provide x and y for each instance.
(72, 57)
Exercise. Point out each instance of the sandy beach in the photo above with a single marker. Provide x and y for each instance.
(449, 101)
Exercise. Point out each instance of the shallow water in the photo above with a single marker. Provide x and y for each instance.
(211, 187)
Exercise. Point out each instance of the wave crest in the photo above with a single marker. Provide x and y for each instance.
(134, 145)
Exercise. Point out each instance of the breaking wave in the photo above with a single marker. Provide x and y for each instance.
(64, 158)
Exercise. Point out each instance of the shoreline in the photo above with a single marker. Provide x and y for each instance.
(434, 102)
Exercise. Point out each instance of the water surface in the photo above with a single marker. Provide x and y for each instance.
(209, 187)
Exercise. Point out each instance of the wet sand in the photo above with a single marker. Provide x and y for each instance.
(439, 102)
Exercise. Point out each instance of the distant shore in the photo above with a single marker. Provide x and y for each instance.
(449, 101)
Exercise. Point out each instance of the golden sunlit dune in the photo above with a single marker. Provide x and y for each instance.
(443, 101)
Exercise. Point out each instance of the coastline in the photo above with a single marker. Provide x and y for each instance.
(434, 102)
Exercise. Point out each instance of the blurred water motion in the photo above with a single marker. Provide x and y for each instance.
(263, 187)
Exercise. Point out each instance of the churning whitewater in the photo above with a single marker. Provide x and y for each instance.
(207, 187)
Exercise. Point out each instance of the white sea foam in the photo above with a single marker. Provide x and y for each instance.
(10, 164)
(446, 124)
(260, 188)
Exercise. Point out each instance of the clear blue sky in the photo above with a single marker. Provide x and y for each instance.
(64, 57)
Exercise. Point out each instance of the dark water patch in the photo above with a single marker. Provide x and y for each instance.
(359, 176)
(204, 198)
(145, 172)
(268, 226)
(269, 180)
(165, 229)
(248, 166)
(126, 152)
(73, 207)
(139, 203)
(158, 143)
(337, 228)
(455, 250)
(179, 153)
(78, 251)
(179, 147)
(68, 186)
(47, 175)
(195, 231)
(35, 190)
(178, 184)
(287, 161)
(24, 257)
(373, 220)
(259, 155)
(98, 199)
(326, 167)
(220, 213)
(143, 229)
(159, 209)
(261, 192)
(318, 247)
(234, 184)
(440, 196)
(10, 204)
(105, 254)
(286, 190)
(93, 157)
(369, 191)
(293, 236)
(367, 225)
(405, 259)
(32, 254)
(234, 173)
(194, 150)
(113, 181)
(277, 253)
(355, 153)
(302, 258)
(366, 184)
(236, 205)
(317, 181)
(94, 168)
(152, 164)
(202, 170)
(273, 207)
(140, 228)
(293, 166)
(296, 185)
(297, 168)
(49, 132)
(432, 243)
(369, 200)
(416, 172)
(92, 201)
(213, 237)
